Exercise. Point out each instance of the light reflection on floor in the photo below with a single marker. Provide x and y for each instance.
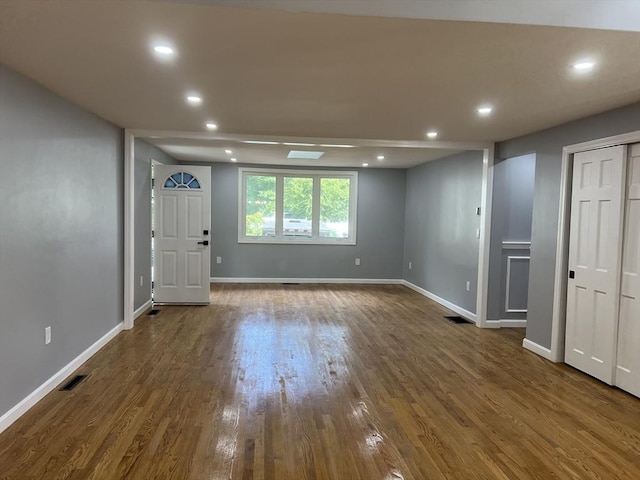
(295, 361)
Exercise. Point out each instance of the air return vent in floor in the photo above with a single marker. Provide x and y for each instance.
(457, 319)
(153, 312)
(71, 384)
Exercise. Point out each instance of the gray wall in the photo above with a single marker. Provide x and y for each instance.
(381, 194)
(61, 226)
(547, 145)
(440, 227)
(513, 188)
(144, 153)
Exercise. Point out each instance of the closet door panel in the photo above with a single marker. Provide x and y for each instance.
(594, 261)
(628, 351)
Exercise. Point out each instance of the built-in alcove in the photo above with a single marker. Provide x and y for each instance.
(513, 188)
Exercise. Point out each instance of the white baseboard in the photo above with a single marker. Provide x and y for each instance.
(39, 393)
(374, 281)
(506, 323)
(145, 306)
(445, 303)
(540, 350)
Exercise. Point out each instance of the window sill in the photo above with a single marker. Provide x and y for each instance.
(274, 241)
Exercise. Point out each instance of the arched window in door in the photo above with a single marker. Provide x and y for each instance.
(182, 180)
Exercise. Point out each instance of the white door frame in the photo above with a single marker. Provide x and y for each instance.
(556, 353)
(486, 208)
(129, 243)
(151, 199)
(487, 148)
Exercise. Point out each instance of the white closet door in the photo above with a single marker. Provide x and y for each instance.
(628, 361)
(594, 261)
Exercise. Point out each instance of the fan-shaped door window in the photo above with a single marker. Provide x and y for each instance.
(182, 180)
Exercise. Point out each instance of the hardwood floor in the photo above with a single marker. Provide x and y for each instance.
(323, 382)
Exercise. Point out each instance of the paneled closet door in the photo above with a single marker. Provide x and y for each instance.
(628, 355)
(594, 261)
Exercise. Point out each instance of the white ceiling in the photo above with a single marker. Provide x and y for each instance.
(281, 73)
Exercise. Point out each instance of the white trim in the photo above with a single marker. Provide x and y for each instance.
(375, 281)
(516, 245)
(299, 241)
(539, 349)
(507, 323)
(39, 393)
(486, 203)
(361, 142)
(298, 172)
(562, 240)
(129, 155)
(507, 286)
(183, 304)
(146, 306)
(129, 228)
(451, 306)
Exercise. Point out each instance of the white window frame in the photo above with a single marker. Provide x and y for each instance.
(279, 238)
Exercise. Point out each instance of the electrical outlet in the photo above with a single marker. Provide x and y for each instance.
(468, 285)
(141, 280)
(218, 259)
(409, 265)
(47, 335)
(357, 261)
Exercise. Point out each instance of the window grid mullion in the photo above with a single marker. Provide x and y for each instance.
(279, 206)
(315, 208)
(245, 180)
(353, 205)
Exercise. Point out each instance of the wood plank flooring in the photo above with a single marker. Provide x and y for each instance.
(323, 382)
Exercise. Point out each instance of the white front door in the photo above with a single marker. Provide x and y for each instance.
(182, 234)
(594, 261)
(628, 361)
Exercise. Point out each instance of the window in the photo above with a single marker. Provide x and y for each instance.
(297, 206)
(181, 180)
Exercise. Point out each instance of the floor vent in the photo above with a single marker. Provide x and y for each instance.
(73, 383)
(457, 319)
(290, 283)
(153, 312)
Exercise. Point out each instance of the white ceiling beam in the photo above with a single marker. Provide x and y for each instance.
(358, 142)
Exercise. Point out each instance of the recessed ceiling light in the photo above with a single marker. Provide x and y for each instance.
(294, 144)
(233, 159)
(380, 157)
(365, 164)
(165, 50)
(432, 134)
(583, 66)
(194, 99)
(336, 146)
(228, 152)
(485, 110)
(211, 126)
(260, 142)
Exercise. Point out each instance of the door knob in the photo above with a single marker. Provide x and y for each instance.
(204, 242)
